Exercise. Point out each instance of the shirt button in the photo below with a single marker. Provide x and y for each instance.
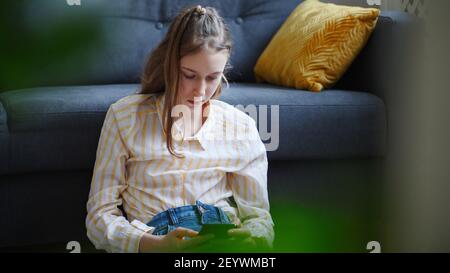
(239, 20)
(159, 25)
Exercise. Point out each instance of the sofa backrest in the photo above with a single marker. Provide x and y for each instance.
(143, 23)
(127, 30)
(121, 34)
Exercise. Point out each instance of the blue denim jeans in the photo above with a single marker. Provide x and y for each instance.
(192, 217)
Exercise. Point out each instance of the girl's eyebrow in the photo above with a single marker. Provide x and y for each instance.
(192, 70)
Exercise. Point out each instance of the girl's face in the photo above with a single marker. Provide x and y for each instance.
(201, 74)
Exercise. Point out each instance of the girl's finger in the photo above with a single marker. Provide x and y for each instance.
(239, 232)
(180, 232)
(195, 241)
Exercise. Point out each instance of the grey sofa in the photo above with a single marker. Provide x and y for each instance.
(332, 150)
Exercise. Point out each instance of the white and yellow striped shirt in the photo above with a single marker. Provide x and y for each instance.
(134, 169)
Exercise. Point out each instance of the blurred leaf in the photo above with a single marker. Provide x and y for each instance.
(45, 43)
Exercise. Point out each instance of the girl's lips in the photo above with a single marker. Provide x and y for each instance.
(192, 102)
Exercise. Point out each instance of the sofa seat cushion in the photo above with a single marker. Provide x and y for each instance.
(332, 124)
(57, 128)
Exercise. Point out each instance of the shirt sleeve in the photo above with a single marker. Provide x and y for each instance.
(249, 186)
(107, 228)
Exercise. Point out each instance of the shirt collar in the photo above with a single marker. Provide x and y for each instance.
(202, 136)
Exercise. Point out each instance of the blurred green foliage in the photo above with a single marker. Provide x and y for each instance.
(306, 228)
(302, 228)
(45, 42)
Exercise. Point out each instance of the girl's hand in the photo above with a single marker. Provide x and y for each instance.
(173, 241)
(244, 236)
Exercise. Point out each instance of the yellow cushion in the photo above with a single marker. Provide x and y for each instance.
(315, 45)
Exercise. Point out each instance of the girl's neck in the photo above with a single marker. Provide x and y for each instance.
(196, 120)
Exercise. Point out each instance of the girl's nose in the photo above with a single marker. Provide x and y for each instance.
(200, 90)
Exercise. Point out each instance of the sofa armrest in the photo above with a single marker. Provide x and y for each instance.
(390, 66)
(391, 57)
(4, 140)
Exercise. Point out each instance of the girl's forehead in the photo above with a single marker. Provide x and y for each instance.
(205, 61)
(205, 54)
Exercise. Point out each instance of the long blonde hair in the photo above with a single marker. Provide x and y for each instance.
(193, 29)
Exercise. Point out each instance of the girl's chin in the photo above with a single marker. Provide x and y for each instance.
(190, 103)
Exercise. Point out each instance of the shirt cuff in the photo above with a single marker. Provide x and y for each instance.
(261, 231)
(141, 226)
(140, 230)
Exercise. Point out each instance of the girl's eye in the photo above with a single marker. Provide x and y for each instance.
(193, 77)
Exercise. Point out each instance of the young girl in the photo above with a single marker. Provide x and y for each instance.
(166, 164)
